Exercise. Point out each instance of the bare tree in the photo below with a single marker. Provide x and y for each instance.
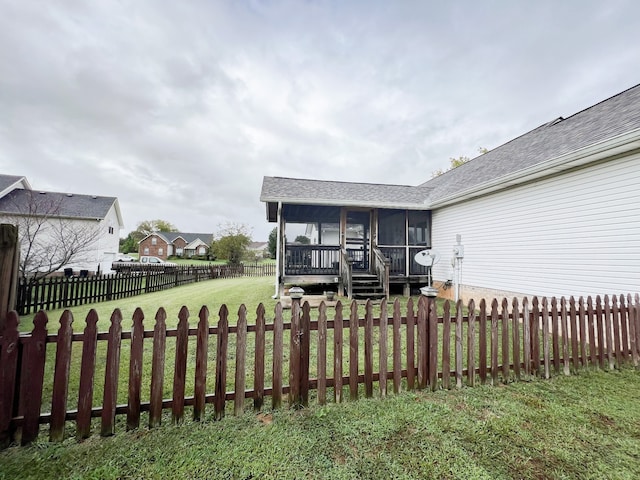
(48, 240)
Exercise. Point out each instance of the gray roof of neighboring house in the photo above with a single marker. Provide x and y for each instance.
(56, 204)
(612, 117)
(7, 181)
(275, 189)
(188, 237)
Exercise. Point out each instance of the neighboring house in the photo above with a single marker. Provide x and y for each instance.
(62, 218)
(553, 212)
(258, 249)
(179, 244)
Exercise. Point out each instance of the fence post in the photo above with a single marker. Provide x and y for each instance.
(9, 256)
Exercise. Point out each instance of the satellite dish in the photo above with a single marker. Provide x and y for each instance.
(428, 258)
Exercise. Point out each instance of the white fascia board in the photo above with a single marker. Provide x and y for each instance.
(611, 147)
(345, 203)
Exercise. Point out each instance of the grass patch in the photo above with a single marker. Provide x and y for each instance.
(583, 426)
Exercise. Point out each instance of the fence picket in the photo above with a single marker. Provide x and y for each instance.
(526, 341)
(32, 377)
(602, 339)
(471, 344)
(241, 356)
(202, 350)
(624, 327)
(515, 312)
(591, 325)
(555, 327)
(87, 373)
(573, 315)
(397, 353)
(259, 365)
(180, 366)
(135, 370)
(61, 378)
(337, 354)
(446, 345)
(505, 340)
(422, 343)
(278, 348)
(615, 320)
(305, 349)
(157, 368)
(633, 340)
(564, 325)
(111, 375)
(353, 348)
(482, 348)
(494, 342)
(368, 350)
(582, 316)
(221, 363)
(535, 335)
(433, 344)
(546, 333)
(432, 362)
(411, 352)
(383, 345)
(322, 353)
(608, 327)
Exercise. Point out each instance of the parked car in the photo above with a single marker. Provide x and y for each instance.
(125, 258)
(145, 263)
(147, 260)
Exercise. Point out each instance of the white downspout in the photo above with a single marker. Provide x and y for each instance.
(278, 254)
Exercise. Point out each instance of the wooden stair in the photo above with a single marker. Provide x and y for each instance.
(366, 286)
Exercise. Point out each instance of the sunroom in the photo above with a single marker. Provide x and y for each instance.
(360, 239)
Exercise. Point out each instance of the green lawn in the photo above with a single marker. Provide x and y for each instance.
(584, 426)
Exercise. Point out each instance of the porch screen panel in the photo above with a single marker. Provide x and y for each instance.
(391, 227)
(419, 231)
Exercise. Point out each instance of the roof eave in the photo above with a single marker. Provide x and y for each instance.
(344, 203)
(617, 145)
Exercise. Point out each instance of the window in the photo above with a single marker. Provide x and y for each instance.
(146, 250)
(202, 250)
(160, 251)
(154, 240)
(111, 230)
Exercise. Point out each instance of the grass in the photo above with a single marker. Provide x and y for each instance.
(584, 426)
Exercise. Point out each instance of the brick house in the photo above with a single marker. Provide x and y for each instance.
(179, 244)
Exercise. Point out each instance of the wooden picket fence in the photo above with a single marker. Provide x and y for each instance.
(62, 292)
(501, 342)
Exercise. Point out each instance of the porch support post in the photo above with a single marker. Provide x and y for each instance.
(279, 253)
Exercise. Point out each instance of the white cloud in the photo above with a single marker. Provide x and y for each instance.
(180, 108)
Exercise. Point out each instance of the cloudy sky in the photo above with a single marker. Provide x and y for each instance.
(179, 108)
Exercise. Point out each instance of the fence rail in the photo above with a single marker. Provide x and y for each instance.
(501, 342)
(62, 292)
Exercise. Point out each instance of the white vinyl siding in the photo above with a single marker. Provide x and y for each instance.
(577, 233)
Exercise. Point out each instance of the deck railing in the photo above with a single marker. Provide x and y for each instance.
(381, 269)
(312, 260)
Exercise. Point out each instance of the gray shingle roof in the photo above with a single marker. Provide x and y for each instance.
(56, 204)
(188, 237)
(322, 192)
(607, 119)
(7, 181)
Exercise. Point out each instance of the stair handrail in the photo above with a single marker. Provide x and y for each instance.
(346, 272)
(381, 269)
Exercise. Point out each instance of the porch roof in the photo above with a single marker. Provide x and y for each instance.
(348, 194)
